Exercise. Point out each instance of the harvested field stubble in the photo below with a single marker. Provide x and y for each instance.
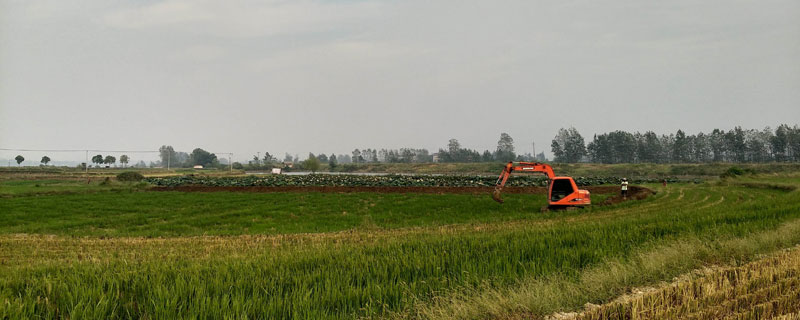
(762, 289)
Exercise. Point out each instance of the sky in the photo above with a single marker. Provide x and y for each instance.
(330, 76)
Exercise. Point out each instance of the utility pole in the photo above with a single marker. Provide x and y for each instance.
(534, 151)
(230, 163)
(169, 159)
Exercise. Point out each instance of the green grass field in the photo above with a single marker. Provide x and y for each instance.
(137, 213)
(123, 252)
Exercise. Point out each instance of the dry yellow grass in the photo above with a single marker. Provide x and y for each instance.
(763, 289)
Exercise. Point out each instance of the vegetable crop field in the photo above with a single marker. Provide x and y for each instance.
(122, 250)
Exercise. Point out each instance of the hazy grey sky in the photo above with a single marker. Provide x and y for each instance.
(330, 76)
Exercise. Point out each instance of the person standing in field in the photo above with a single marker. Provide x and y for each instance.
(624, 187)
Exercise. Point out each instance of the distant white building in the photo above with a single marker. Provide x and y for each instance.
(436, 157)
(198, 167)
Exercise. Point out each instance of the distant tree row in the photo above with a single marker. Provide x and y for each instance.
(453, 153)
(98, 159)
(736, 145)
(503, 153)
(19, 159)
(171, 158)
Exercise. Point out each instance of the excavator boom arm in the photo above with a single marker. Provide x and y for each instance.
(520, 167)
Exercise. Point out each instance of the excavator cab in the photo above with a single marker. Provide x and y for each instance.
(563, 192)
(560, 188)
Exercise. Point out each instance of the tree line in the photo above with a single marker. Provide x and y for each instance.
(454, 152)
(99, 160)
(736, 145)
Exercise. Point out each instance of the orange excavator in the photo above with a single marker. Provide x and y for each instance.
(562, 192)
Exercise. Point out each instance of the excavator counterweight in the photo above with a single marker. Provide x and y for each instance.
(562, 192)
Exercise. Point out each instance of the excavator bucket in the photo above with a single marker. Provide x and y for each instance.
(496, 196)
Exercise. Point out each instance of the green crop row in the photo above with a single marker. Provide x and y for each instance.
(378, 181)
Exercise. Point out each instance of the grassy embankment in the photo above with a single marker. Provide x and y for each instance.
(100, 211)
(510, 263)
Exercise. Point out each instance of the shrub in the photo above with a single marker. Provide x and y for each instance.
(130, 176)
(106, 182)
(732, 172)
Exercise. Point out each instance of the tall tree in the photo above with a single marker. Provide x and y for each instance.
(780, 142)
(600, 149)
(97, 159)
(168, 156)
(649, 149)
(568, 146)
(680, 148)
(123, 159)
(487, 156)
(312, 163)
(667, 148)
(45, 160)
(701, 148)
(19, 158)
(332, 162)
(759, 148)
(505, 148)
(794, 144)
(202, 157)
(268, 158)
(453, 146)
(735, 142)
(718, 146)
(109, 160)
(357, 157)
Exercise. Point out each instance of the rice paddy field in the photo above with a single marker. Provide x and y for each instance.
(74, 250)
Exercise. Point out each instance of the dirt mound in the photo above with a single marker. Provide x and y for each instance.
(634, 193)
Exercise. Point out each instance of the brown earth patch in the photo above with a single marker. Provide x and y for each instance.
(634, 193)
